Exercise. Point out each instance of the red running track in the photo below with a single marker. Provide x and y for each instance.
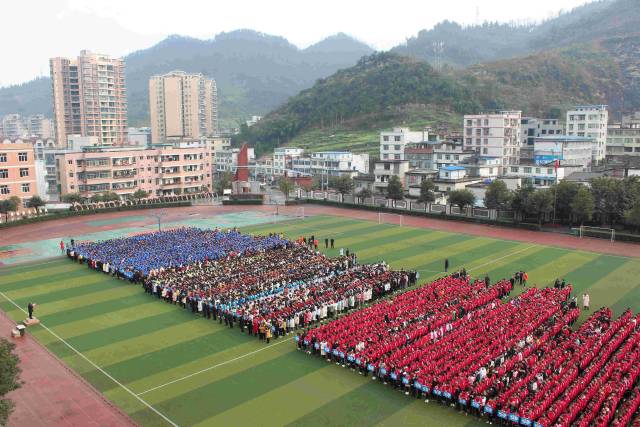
(79, 225)
(52, 394)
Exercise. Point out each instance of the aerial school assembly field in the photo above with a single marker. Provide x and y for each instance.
(181, 352)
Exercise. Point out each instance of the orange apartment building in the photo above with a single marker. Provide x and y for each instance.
(168, 169)
(17, 171)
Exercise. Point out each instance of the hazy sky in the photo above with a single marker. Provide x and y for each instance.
(32, 31)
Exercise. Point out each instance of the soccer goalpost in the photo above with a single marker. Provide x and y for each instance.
(599, 232)
(390, 218)
(298, 214)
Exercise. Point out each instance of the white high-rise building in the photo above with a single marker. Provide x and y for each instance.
(590, 121)
(14, 126)
(494, 135)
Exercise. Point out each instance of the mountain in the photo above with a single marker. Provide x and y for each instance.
(406, 90)
(377, 84)
(461, 46)
(255, 72)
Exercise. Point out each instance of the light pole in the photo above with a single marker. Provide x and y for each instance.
(159, 216)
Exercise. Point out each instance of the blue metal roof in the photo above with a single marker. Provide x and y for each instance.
(453, 168)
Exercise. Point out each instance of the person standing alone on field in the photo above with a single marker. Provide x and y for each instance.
(30, 308)
(332, 243)
(585, 301)
(326, 243)
(61, 246)
(446, 265)
(525, 277)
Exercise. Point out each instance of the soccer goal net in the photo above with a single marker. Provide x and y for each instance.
(599, 232)
(299, 213)
(390, 218)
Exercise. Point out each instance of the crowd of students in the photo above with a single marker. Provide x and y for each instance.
(519, 361)
(150, 253)
(270, 293)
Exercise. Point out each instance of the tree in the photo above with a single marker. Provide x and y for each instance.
(426, 191)
(394, 188)
(564, 193)
(632, 216)
(139, 194)
(364, 193)
(344, 184)
(9, 377)
(582, 205)
(72, 198)
(461, 198)
(286, 186)
(110, 196)
(223, 182)
(520, 199)
(96, 198)
(36, 202)
(540, 203)
(608, 195)
(498, 195)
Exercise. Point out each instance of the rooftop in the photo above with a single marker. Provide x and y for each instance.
(453, 168)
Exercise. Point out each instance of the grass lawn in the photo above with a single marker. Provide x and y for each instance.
(150, 346)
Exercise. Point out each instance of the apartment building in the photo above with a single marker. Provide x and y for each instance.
(283, 159)
(623, 139)
(89, 98)
(14, 126)
(393, 143)
(17, 171)
(494, 135)
(590, 121)
(532, 128)
(385, 169)
(337, 163)
(182, 105)
(164, 169)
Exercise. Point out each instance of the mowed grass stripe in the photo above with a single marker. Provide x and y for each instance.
(545, 274)
(182, 332)
(620, 289)
(235, 390)
(65, 289)
(526, 260)
(45, 287)
(293, 226)
(411, 258)
(419, 413)
(37, 278)
(305, 394)
(216, 365)
(118, 333)
(365, 405)
(110, 319)
(465, 257)
(8, 271)
(400, 251)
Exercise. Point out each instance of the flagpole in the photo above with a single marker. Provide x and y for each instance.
(555, 191)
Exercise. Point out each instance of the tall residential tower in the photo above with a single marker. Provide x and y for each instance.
(89, 98)
(182, 105)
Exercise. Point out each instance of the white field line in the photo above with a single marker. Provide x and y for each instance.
(214, 366)
(502, 257)
(96, 366)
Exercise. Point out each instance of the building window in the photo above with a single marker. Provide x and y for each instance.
(396, 147)
(527, 170)
(396, 138)
(385, 156)
(22, 156)
(24, 172)
(25, 187)
(4, 189)
(4, 173)
(385, 138)
(3, 157)
(385, 146)
(396, 156)
(70, 162)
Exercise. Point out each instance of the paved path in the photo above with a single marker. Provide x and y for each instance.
(83, 225)
(52, 394)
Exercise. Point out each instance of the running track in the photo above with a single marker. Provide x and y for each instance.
(52, 394)
(79, 225)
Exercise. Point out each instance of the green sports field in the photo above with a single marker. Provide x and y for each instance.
(138, 350)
